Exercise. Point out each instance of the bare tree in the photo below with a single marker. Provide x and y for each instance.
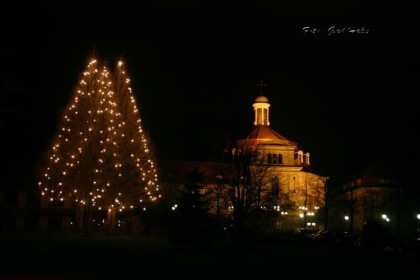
(309, 195)
(245, 178)
(216, 193)
(276, 200)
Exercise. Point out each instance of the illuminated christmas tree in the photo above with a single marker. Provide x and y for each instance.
(100, 158)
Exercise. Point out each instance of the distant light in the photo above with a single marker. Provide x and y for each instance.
(418, 216)
(384, 216)
(346, 218)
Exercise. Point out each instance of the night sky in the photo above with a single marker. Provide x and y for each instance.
(347, 98)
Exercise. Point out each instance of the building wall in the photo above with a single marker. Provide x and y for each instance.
(365, 200)
(302, 194)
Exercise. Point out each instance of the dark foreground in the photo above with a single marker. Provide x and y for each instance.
(77, 257)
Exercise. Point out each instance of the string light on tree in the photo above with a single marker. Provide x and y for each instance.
(100, 158)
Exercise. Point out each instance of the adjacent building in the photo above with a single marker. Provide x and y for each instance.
(373, 195)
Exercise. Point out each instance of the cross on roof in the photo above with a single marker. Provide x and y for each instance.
(261, 85)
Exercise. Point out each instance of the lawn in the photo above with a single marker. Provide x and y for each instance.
(57, 256)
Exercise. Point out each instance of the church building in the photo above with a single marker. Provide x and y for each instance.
(295, 193)
(265, 172)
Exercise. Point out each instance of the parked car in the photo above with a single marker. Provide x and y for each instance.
(330, 236)
(305, 232)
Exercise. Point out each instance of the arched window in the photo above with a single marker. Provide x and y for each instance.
(269, 160)
(274, 158)
(280, 159)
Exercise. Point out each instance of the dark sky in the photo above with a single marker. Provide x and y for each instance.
(347, 98)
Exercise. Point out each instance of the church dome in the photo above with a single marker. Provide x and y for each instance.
(261, 99)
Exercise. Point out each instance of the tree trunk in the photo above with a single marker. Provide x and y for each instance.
(218, 204)
(351, 207)
(326, 203)
(80, 216)
(88, 221)
(111, 220)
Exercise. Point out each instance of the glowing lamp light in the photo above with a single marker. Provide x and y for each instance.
(386, 218)
(346, 218)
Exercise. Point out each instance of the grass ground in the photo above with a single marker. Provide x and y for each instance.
(55, 256)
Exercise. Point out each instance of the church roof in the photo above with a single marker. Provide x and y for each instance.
(261, 98)
(265, 135)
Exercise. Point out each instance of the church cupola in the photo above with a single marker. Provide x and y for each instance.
(261, 106)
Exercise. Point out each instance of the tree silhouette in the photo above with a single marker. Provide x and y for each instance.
(193, 203)
(245, 178)
(310, 196)
(100, 158)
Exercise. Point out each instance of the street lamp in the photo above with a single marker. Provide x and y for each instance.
(385, 217)
(418, 225)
